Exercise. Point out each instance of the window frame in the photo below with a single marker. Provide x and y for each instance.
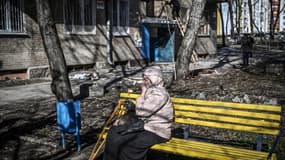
(21, 21)
(119, 30)
(82, 15)
(204, 29)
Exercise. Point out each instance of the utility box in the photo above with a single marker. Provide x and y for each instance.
(69, 120)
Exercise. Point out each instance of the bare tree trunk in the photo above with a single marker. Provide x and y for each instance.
(252, 23)
(239, 10)
(271, 20)
(60, 85)
(230, 2)
(250, 15)
(188, 42)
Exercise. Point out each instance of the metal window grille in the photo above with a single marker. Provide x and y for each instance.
(11, 16)
(120, 16)
(80, 16)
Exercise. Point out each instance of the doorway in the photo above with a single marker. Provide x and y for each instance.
(158, 42)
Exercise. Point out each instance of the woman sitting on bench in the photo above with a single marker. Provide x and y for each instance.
(155, 108)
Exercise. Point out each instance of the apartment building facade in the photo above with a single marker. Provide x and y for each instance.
(261, 11)
(84, 28)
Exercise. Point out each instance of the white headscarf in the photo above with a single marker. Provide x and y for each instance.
(154, 74)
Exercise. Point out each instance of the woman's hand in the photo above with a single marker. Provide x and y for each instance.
(145, 85)
(143, 88)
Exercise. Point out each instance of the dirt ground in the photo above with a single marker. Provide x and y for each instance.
(28, 129)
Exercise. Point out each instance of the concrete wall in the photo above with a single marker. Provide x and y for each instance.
(23, 51)
(19, 52)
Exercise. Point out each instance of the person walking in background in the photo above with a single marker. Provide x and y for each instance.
(251, 41)
(246, 47)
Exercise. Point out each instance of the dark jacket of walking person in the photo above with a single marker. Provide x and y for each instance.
(251, 40)
(155, 108)
(246, 46)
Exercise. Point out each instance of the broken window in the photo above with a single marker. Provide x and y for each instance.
(11, 16)
(80, 16)
(120, 17)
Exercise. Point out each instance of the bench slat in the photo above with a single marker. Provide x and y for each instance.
(228, 112)
(207, 150)
(215, 103)
(228, 104)
(228, 126)
(219, 150)
(182, 143)
(224, 119)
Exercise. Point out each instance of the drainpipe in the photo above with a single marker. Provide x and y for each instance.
(110, 36)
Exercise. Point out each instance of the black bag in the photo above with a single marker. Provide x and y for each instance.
(129, 122)
(137, 126)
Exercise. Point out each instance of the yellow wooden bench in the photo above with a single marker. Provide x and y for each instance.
(252, 118)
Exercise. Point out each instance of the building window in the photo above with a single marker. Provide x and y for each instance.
(120, 17)
(11, 16)
(80, 16)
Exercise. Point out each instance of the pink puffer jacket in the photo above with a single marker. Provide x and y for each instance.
(155, 107)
